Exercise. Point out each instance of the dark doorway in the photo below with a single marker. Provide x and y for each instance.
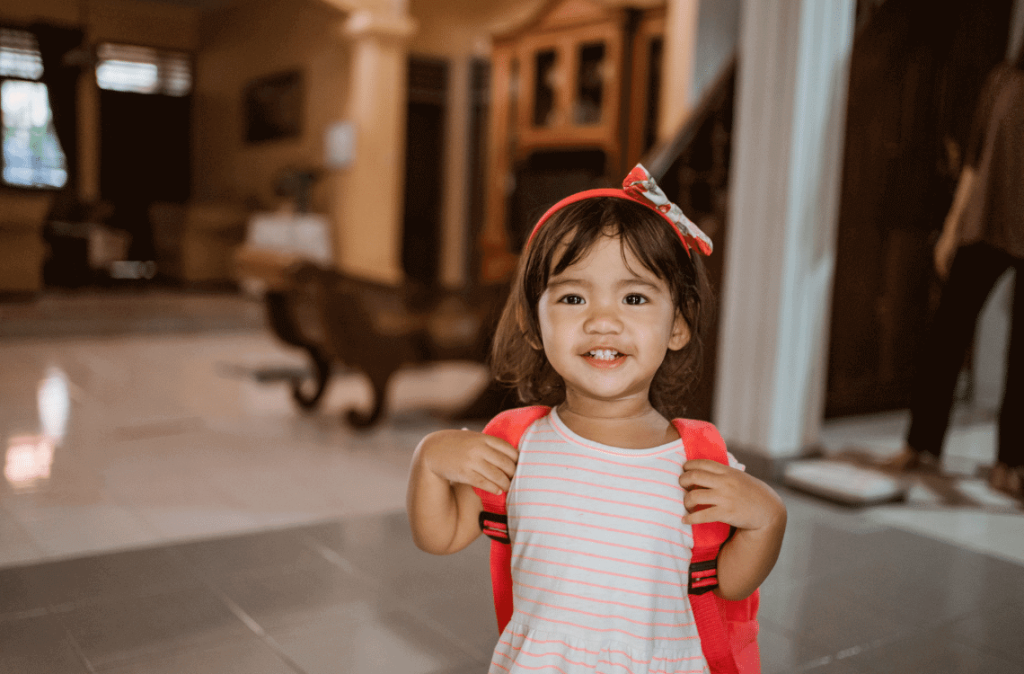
(424, 169)
(144, 157)
(543, 178)
(915, 75)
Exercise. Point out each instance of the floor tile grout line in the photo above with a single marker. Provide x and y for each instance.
(333, 557)
(256, 628)
(78, 650)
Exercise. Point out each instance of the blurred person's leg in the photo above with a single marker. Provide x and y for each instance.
(974, 272)
(1008, 473)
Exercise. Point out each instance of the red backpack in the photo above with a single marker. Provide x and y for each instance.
(727, 629)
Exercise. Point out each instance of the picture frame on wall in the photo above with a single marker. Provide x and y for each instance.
(273, 107)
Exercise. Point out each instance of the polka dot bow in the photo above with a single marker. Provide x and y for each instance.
(640, 186)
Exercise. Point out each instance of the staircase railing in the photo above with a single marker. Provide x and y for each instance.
(693, 168)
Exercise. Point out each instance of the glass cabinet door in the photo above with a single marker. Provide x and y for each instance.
(544, 87)
(589, 95)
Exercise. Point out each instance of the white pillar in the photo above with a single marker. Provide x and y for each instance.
(1016, 41)
(786, 170)
(367, 196)
(681, 18)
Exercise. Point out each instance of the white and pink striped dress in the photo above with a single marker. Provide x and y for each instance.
(599, 559)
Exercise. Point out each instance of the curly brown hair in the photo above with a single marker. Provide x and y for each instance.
(517, 356)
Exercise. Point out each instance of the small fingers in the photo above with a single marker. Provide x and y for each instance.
(702, 516)
(503, 447)
(492, 478)
(706, 465)
(481, 482)
(497, 466)
(700, 498)
(698, 479)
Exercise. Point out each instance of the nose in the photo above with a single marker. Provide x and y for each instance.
(603, 319)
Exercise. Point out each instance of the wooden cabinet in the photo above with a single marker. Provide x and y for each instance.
(570, 84)
(571, 94)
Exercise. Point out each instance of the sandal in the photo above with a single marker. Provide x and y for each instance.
(907, 460)
(1008, 480)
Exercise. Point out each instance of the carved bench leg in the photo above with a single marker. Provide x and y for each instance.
(307, 391)
(379, 382)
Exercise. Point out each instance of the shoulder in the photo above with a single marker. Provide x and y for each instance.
(511, 424)
(698, 431)
(1001, 80)
(702, 440)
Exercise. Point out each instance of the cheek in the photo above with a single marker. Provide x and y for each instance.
(544, 323)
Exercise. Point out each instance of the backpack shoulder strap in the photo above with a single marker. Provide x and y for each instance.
(508, 426)
(701, 440)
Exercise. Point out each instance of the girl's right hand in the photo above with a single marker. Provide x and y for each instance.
(467, 457)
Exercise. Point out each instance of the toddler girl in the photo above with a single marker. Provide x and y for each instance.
(603, 324)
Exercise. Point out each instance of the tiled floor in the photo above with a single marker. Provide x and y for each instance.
(190, 520)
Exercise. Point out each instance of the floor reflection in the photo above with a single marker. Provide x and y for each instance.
(166, 509)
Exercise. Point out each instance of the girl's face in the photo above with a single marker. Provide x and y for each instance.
(606, 323)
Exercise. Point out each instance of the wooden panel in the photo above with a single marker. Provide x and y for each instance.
(915, 76)
(644, 83)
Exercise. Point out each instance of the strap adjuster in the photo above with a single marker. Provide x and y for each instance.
(703, 576)
(495, 526)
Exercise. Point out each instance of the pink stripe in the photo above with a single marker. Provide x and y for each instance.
(523, 635)
(652, 523)
(617, 476)
(603, 616)
(580, 441)
(635, 660)
(550, 562)
(636, 607)
(676, 498)
(599, 586)
(616, 560)
(614, 664)
(686, 534)
(519, 665)
(601, 500)
(593, 459)
(555, 534)
(548, 654)
(598, 629)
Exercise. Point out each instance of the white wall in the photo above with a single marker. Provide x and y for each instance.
(718, 33)
(1016, 42)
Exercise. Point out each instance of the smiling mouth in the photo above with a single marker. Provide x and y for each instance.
(604, 354)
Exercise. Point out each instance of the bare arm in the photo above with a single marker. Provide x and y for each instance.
(949, 240)
(442, 506)
(731, 496)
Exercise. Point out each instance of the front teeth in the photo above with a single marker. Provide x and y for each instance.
(604, 354)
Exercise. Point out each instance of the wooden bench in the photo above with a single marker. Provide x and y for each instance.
(371, 328)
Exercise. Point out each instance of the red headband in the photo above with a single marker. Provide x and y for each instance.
(641, 188)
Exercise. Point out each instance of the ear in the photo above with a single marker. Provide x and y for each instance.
(680, 336)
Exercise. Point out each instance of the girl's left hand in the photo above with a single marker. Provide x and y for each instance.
(719, 493)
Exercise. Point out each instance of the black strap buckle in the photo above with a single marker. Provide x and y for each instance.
(495, 526)
(703, 576)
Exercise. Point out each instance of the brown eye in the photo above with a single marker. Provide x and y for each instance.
(635, 298)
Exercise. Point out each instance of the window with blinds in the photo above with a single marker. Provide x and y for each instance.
(32, 155)
(143, 70)
(19, 55)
